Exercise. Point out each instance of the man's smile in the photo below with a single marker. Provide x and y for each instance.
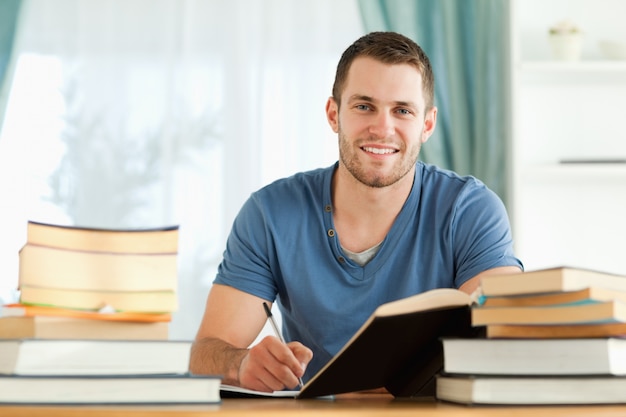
(379, 151)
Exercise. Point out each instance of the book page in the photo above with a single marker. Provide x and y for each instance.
(231, 391)
(437, 298)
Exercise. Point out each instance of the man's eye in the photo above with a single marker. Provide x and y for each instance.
(362, 107)
(404, 111)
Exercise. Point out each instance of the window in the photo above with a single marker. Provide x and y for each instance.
(144, 113)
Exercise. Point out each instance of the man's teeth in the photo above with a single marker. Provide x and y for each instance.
(379, 151)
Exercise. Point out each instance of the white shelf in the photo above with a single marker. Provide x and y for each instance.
(575, 172)
(583, 66)
(580, 72)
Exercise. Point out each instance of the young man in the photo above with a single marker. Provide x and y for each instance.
(331, 245)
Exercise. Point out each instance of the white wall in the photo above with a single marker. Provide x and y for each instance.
(569, 214)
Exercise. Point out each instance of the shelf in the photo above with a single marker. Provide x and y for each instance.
(580, 72)
(589, 66)
(574, 173)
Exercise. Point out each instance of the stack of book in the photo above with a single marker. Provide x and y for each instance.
(102, 283)
(61, 371)
(92, 322)
(553, 336)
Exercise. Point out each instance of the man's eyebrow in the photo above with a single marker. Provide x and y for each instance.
(361, 97)
(406, 104)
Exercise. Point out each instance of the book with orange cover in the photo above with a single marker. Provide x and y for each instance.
(585, 295)
(556, 331)
(22, 310)
(18, 321)
(59, 327)
(126, 301)
(583, 313)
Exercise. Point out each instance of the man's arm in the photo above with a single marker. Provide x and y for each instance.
(473, 283)
(231, 322)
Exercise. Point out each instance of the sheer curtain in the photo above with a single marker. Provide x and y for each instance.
(141, 113)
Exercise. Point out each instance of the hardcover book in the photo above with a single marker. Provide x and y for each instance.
(548, 280)
(398, 347)
(532, 390)
(110, 389)
(84, 357)
(597, 356)
(153, 240)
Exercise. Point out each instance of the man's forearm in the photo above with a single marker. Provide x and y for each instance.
(214, 356)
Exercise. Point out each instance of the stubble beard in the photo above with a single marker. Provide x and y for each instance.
(373, 179)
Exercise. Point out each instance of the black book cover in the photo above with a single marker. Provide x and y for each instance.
(402, 353)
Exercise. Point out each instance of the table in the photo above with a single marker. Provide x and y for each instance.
(344, 406)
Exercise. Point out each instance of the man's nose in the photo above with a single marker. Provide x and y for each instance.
(382, 125)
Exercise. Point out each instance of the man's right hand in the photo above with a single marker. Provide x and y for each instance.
(231, 322)
(272, 365)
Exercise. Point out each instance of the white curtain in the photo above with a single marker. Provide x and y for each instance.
(141, 113)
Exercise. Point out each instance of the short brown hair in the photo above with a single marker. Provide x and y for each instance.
(388, 48)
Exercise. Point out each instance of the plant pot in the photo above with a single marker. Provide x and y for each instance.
(566, 46)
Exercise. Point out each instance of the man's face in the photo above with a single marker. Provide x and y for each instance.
(381, 123)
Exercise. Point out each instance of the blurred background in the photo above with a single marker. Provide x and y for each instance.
(148, 113)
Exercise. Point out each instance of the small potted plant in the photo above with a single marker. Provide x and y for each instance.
(566, 41)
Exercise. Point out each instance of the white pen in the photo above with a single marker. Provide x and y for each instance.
(279, 335)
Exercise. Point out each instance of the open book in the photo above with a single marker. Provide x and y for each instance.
(398, 347)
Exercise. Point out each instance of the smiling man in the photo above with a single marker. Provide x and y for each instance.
(331, 245)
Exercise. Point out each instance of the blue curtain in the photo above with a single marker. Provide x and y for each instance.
(9, 12)
(466, 41)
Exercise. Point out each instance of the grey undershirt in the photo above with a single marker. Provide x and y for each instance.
(364, 257)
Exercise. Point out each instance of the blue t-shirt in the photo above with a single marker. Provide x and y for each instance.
(283, 247)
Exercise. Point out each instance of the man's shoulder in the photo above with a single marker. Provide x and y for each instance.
(448, 188)
(299, 191)
(303, 181)
(434, 175)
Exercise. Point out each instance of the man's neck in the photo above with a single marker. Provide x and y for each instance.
(364, 215)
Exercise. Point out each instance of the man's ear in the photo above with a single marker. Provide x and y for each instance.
(332, 114)
(430, 121)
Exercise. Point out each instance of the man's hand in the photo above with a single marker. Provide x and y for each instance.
(231, 322)
(272, 365)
